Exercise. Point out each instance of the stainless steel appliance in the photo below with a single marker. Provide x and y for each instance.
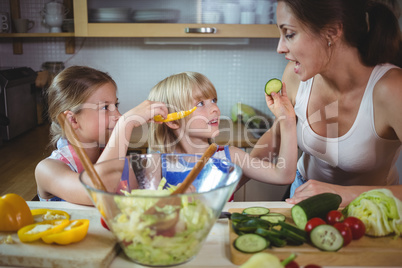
(17, 101)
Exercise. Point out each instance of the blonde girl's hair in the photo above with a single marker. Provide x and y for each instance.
(69, 90)
(179, 92)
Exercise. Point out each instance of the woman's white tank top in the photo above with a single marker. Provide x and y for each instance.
(360, 157)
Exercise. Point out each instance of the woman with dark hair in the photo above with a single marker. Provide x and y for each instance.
(344, 80)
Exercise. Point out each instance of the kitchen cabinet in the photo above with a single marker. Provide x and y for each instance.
(156, 18)
(18, 38)
(100, 19)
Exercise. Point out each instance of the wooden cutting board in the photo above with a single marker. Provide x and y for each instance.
(97, 249)
(367, 251)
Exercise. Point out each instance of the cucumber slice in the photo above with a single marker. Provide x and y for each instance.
(250, 243)
(256, 211)
(274, 217)
(326, 237)
(273, 85)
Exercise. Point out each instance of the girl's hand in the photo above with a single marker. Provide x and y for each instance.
(145, 112)
(280, 105)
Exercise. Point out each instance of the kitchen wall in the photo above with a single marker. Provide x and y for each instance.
(239, 72)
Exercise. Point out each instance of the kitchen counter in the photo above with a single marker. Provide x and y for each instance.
(214, 253)
(235, 134)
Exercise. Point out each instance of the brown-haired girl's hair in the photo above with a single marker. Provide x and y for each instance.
(69, 90)
(368, 25)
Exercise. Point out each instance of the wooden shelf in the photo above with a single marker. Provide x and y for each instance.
(28, 35)
(17, 40)
(17, 37)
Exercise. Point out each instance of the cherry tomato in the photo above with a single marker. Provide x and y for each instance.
(334, 216)
(292, 264)
(345, 232)
(312, 223)
(356, 226)
(104, 224)
(312, 266)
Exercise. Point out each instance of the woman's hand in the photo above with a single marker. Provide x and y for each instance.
(313, 187)
(280, 105)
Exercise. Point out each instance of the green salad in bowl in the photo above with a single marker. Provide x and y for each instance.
(175, 232)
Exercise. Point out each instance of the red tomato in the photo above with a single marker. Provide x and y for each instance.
(356, 226)
(312, 223)
(334, 216)
(345, 232)
(292, 264)
(104, 224)
(312, 266)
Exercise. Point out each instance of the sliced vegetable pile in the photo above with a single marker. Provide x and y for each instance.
(380, 211)
(318, 221)
(327, 228)
(258, 229)
(51, 226)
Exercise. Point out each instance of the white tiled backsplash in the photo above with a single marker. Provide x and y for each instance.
(239, 72)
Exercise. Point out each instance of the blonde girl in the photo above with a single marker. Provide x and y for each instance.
(192, 134)
(88, 99)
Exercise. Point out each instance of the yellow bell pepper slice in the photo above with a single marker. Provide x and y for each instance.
(74, 232)
(14, 213)
(174, 116)
(36, 231)
(49, 214)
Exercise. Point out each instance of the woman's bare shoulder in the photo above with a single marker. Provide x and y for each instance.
(389, 88)
(387, 98)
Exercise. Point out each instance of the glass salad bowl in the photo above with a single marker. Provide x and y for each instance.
(153, 227)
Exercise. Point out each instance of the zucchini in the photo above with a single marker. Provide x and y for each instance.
(273, 85)
(292, 234)
(252, 224)
(256, 211)
(314, 206)
(274, 217)
(293, 229)
(250, 243)
(273, 236)
(326, 237)
(237, 217)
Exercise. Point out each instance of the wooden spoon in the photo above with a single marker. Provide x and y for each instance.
(171, 222)
(85, 161)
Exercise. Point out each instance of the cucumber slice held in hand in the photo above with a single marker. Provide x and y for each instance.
(273, 85)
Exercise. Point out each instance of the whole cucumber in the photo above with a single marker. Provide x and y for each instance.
(314, 206)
